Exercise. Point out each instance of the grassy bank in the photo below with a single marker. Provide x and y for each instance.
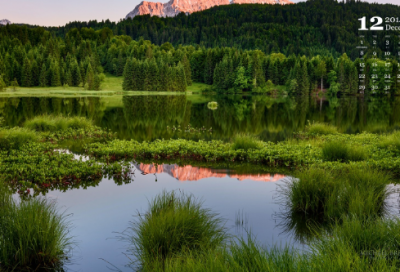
(330, 151)
(112, 85)
(31, 158)
(40, 137)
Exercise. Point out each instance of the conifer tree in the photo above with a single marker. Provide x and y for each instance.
(89, 82)
(75, 74)
(153, 75)
(26, 73)
(188, 71)
(43, 76)
(180, 77)
(127, 84)
(208, 69)
(2, 84)
(146, 77)
(55, 74)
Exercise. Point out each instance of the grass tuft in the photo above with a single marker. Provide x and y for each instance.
(48, 123)
(320, 194)
(391, 141)
(318, 128)
(33, 235)
(175, 223)
(246, 142)
(340, 151)
(16, 137)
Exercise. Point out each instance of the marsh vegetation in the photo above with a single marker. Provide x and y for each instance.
(339, 182)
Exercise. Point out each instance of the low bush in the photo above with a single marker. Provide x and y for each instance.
(175, 224)
(16, 137)
(33, 235)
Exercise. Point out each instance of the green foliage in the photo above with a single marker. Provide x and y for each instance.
(212, 105)
(340, 151)
(51, 123)
(309, 192)
(330, 195)
(2, 84)
(16, 137)
(246, 142)
(174, 224)
(391, 142)
(318, 128)
(33, 234)
(372, 239)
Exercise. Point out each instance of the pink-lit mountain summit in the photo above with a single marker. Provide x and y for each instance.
(174, 7)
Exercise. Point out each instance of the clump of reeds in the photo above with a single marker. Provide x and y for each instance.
(33, 235)
(340, 151)
(49, 123)
(175, 223)
(318, 128)
(14, 138)
(361, 243)
(317, 192)
(246, 142)
(309, 192)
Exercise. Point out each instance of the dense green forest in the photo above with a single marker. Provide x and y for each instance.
(306, 28)
(79, 53)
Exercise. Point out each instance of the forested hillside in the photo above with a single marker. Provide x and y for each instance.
(306, 28)
(34, 56)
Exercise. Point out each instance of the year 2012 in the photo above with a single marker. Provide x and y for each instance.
(377, 23)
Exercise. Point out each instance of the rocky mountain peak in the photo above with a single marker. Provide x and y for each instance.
(174, 7)
(5, 22)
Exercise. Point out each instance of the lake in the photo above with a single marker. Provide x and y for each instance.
(146, 118)
(248, 198)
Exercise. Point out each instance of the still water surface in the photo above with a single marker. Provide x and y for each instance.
(154, 117)
(99, 212)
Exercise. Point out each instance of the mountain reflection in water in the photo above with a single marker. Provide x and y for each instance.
(192, 173)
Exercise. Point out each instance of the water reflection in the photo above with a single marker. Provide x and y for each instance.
(272, 119)
(192, 173)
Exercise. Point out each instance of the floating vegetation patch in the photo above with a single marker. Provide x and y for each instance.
(212, 105)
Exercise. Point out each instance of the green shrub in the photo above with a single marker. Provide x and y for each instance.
(32, 236)
(175, 223)
(246, 142)
(16, 137)
(340, 151)
(318, 128)
(50, 123)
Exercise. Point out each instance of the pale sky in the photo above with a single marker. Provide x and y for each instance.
(60, 12)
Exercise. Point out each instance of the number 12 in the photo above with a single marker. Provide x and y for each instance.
(376, 26)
